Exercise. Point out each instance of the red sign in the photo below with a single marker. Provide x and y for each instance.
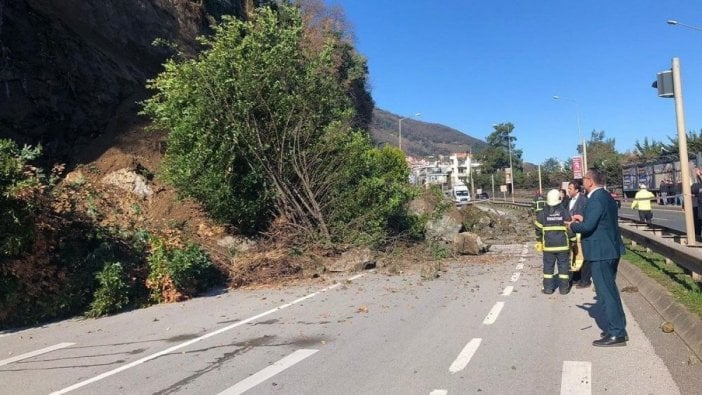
(577, 167)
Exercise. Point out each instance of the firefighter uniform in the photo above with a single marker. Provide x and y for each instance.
(554, 238)
(538, 203)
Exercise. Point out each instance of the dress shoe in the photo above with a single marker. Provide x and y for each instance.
(610, 341)
(604, 334)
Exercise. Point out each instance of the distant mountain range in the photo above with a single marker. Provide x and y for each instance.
(421, 139)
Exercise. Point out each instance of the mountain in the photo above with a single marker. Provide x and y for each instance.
(421, 139)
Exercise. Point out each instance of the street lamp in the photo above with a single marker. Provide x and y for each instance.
(399, 134)
(673, 22)
(580, 137)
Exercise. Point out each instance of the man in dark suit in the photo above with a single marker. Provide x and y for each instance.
(602, 247)
(576, 206)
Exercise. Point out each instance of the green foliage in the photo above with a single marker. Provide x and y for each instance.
(112, 295)
(18, 183)
(373, 196)
(177, 272)
(439, 251)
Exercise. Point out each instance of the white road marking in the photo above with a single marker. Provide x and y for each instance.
(466, 354)
(195, 340)
(494, 312)
(522, 259)
(266, 373)
(576, 378)
(35, 353)
(439, 392)
(508, 290)
(515, 277)
(520, 266)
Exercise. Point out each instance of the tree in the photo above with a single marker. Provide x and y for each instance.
(602, 155)
(262, 127)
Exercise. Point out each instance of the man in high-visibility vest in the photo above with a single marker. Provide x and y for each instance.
(642, 202)
(553, 239)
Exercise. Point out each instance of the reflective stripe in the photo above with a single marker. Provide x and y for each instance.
(548, 275)
(558, 227)
(562, 248)
(538, 224)
(563, 276)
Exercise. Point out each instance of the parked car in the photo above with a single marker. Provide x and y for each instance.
(483, 195)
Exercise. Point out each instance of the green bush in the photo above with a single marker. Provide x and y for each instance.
(112, 294)
(178, 272)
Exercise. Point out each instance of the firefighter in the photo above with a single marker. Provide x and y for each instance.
(538, 203)
(642, 202)
(553, 239)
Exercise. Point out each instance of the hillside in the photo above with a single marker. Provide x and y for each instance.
(421, 139)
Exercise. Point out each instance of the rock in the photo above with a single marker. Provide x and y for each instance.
(430, 270)
(129, 181)
(667, 327)
(353, 261)
(443, 229)
(235, 244)
(467, 243)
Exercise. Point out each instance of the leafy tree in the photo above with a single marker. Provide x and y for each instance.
(601, 154)
(648, 151)
(551, 165)
(262, 127)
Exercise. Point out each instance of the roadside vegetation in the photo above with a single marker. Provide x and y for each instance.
(674, 278)
(267, 129)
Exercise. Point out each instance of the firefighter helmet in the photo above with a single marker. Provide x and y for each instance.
(553, 197)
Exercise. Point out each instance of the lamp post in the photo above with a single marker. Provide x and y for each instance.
(580, 136)
(673, 22)
(399, 134)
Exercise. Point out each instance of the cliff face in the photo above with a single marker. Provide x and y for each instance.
(68, 67)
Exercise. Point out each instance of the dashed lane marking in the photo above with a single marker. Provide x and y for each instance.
(515, 277)
(195, 340)
(576, 378)
(494, 312)
(35, 353)
(520, 266)
(508, 290)
(439, 392)
(268, 372)
(465, 355)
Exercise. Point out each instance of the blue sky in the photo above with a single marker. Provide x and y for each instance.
(469, 64)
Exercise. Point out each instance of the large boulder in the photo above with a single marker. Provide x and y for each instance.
(445, 228)
(467, 243)
(353, 261)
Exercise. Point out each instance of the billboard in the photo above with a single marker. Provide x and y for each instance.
(577, 167)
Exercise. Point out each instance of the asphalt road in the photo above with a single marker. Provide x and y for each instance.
(669, 216)
(478, 328)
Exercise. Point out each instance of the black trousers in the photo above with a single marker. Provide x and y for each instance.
(583, 277)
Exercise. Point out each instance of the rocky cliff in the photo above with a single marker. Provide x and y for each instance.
(69, 67)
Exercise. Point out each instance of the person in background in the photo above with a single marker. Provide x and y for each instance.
(697, 200)
(603, 246)
(642, 202)
(565, 198)
(576, 206)
(553, 239)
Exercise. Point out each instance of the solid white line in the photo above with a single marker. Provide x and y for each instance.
(466, 354)
(439, 392)
(35, 353)
(266, 373)
(515, 277)
(492, 315)
(192, 341)
(520, 266)
(508, 290)
(576, 378)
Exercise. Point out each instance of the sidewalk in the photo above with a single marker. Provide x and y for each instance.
(687, 325)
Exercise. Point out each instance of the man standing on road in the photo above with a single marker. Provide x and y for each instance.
(603, 246)
(642, 201)
(576, 206)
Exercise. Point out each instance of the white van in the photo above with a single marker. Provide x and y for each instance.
(460, 194)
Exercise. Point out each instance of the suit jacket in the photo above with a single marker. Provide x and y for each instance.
(579, 206)
(601, 238)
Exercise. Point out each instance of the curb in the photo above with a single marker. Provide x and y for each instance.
(687, 324)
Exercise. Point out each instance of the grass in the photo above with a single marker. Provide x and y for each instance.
(673, 277)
